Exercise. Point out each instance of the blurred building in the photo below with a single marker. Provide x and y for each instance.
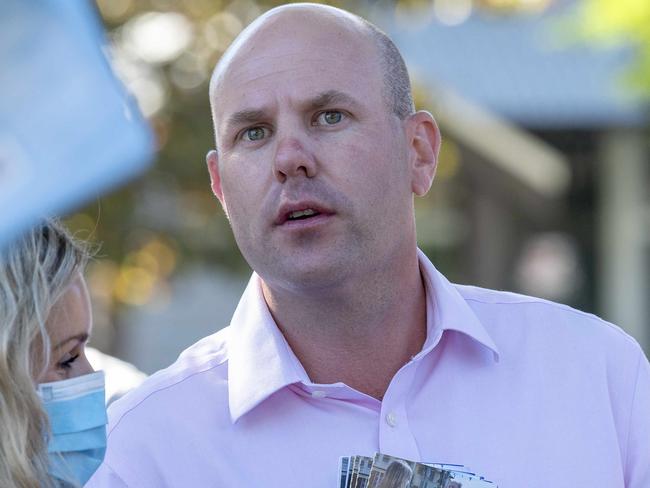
(200, 302)
(554, 156)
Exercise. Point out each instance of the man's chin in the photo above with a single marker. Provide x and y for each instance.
(304, 276)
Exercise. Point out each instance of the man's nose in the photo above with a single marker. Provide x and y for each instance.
(293, 159)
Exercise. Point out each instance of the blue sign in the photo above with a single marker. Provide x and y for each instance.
(68, 129)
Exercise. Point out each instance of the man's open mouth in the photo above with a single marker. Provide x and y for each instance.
(302, 214)
(301, 211)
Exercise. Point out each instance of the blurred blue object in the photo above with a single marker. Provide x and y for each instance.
(68, 129)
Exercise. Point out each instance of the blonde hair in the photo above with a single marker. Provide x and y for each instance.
(398, 475)
(34, 273)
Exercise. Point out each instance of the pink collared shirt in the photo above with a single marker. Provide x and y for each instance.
(529, 393)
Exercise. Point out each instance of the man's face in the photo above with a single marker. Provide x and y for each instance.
(312, 164)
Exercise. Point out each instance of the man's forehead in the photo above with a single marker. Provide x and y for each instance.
(287, 30)
(248, 96)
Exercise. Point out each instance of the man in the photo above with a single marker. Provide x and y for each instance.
(347, 340)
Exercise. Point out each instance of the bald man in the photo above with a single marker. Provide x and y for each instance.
(347, 340)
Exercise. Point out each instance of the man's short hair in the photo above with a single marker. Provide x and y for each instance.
(396, 77)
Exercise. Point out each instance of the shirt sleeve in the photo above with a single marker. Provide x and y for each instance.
(637, 472)
(106, 477)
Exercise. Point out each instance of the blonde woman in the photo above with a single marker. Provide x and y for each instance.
(52, 415)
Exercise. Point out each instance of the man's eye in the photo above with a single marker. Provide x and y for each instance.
(330, 117)
(254, 134)
(67, 364)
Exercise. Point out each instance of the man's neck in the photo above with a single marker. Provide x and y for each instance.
(360, 333)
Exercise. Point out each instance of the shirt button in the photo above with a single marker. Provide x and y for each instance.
(391, 419)
(318, 394)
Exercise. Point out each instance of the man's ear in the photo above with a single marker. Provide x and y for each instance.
(424, 146)
(212, 159)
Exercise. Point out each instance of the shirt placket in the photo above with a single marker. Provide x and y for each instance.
(395, 435)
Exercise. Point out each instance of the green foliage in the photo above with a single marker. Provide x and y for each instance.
(611, 22)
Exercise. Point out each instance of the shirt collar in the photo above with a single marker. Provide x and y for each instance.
(448, 310)
(260, 361)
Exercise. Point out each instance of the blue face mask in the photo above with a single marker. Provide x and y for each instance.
(77, 414)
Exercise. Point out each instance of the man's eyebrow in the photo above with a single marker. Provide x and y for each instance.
(79, 337)
(324, 99)
(329, 98)
(243, 117)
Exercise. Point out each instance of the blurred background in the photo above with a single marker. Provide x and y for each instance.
(542, 186)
